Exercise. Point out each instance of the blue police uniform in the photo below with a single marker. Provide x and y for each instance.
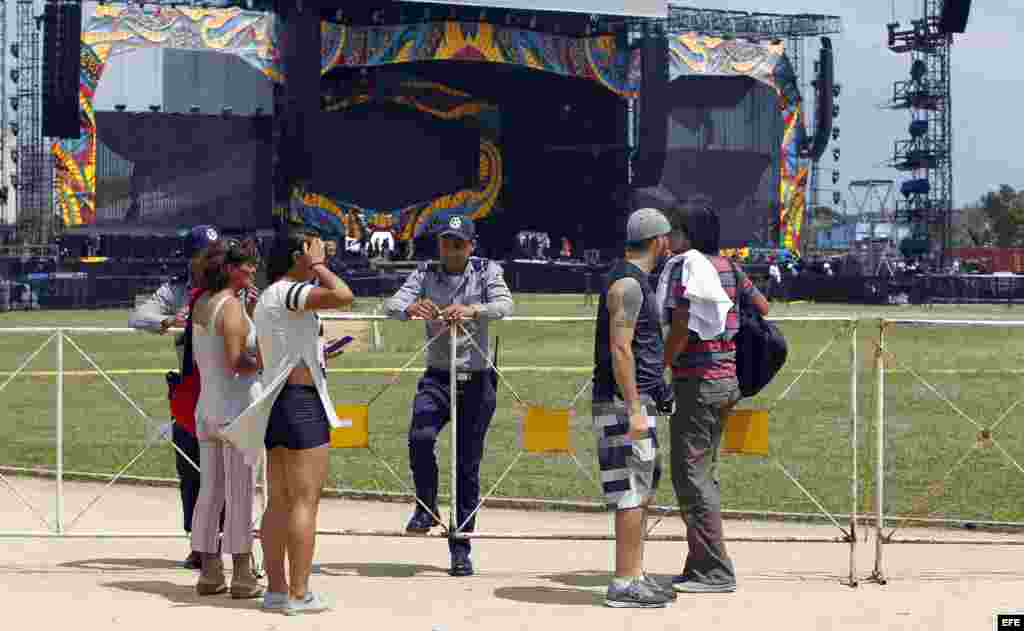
(481, 285)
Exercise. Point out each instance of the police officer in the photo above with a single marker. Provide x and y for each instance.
(167, 309)
(471, 291)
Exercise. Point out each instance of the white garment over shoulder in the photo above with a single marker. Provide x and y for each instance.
(223, 394)
(709, 304)
(287, 335)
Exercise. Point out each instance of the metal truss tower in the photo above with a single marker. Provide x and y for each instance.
(926, 157)
(34, 186)
(5, 185)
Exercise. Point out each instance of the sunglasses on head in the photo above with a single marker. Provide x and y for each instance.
(241, 251)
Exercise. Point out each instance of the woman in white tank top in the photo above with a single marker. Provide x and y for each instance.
(224, 348)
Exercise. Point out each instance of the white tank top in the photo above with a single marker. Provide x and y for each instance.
(223, 395)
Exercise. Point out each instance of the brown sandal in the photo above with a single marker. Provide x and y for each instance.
(244, 583)
(211, 578)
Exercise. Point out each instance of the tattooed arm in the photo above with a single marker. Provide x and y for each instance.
(625, 299)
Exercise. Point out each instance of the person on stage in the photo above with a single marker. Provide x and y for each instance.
(470, 292)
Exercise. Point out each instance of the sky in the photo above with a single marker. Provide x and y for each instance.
(986, 84)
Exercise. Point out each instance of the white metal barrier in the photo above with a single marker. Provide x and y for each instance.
(986, 437)
(844, 327)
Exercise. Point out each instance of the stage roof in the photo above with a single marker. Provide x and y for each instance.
(628, 8)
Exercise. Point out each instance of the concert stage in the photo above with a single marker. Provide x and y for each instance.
(523, 120)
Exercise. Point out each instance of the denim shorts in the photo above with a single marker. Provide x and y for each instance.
(298, 420)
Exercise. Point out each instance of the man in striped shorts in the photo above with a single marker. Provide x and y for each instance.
(628, 383)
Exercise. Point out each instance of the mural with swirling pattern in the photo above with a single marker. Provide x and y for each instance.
(694, 54)
(110, 30)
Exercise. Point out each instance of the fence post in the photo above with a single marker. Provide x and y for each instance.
(59, 521)
(878, 575)
(378, 343)
(453, 385)
(854, 495)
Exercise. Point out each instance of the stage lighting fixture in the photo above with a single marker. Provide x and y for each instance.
(14, 156)
(193, 109)
(15, 50)
(15, 74)
(258, 111)
(836, 197)
(120, 107)
(154, 108)
(835, 111)
(14, 103)
(837, 90)
(835, 133)
(835, 153)
(14, 180)
(226, 110)
(14, 127)
(918, 70)
(835, 177)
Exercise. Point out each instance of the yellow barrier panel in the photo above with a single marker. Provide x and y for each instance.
(357, 435)
(546, 430)
(746, 433)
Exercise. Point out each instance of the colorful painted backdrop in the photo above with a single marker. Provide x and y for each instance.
(694, 54)
(110, 30)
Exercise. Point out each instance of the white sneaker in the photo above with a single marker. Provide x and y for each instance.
(275, 601)
(312, 603)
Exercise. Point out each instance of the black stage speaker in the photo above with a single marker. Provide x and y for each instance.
(823, 103)
(301, 90)
(954, 16)
(652, 143)
(61, 68)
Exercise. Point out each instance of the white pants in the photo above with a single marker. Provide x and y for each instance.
(226, 483)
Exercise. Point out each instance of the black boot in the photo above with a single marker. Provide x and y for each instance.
(422, 521)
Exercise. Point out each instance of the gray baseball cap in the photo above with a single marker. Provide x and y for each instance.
(645, 224)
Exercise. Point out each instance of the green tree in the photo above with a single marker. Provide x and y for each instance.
(972, 228)
(1005, 211)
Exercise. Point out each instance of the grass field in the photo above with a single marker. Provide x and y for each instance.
(978, 369)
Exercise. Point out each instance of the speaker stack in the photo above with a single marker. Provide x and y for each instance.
(954, 16)
(61, 68)
(652, 141)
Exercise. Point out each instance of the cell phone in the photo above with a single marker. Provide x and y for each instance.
(336, 345)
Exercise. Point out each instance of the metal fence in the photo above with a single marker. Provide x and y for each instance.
(814, 407)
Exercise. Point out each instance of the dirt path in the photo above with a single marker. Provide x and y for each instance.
(381, 583)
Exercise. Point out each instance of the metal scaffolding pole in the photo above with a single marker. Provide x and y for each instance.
(34, 179)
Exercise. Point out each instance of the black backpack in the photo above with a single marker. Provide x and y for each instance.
(760, 346)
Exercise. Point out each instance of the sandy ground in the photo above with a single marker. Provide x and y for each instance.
(401, 583)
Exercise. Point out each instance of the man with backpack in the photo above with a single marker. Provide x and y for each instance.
(700, 294)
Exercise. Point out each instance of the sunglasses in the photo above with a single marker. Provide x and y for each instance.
(241, 252)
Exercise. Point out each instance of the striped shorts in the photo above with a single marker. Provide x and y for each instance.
(630, 470)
